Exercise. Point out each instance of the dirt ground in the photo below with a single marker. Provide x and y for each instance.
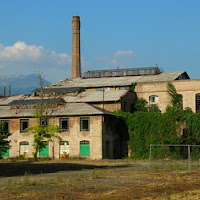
(86, 179)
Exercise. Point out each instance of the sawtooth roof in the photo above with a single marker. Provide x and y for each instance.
(97, 96)
(68, 109)
(116, 81)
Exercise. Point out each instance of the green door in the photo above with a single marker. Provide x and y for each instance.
(45, 151)
(84, 148)
(6, 154)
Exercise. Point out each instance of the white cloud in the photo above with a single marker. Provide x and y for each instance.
(124, 53)
(24, 58)
(121, 58)
(20, 52)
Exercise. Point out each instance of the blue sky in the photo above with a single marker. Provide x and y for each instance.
(36, 36)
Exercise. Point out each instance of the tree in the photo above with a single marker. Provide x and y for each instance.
(4, 134)
(140, 105)
(176, 99)
(41, 133)
(43, 130)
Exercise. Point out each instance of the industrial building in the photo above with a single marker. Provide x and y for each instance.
(83, 107)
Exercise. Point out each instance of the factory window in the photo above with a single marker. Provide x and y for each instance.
(100, 89)
(153, 99)
(5, 125)
(124, 88)
(64, 149)
(197, 102)
(64, 124)
(23, 148)
(44, 121)
(153, 103)
(84, 124)
(23, 125)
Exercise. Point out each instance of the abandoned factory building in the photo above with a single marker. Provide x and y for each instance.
(83, 107)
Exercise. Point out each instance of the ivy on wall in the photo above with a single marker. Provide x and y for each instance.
(147, 128)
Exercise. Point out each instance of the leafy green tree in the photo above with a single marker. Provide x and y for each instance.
(4, 134)
(154, 108)
(176, 99)
(41, 133)
(140, 105)
(43, 130)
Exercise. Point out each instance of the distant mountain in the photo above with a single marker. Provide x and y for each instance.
(20, 84)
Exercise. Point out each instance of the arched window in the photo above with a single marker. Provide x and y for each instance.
(23, 148)
(197, 97)
(64, 149)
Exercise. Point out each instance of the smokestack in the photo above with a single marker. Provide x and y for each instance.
(9, 90)
(4, 93)
(76, 55)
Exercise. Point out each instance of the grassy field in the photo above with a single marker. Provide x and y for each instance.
(86, 179)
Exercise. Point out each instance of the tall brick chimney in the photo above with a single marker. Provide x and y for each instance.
(76, 55)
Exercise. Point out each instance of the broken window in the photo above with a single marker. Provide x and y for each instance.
(24, 123)
(64, 124)
(84, 124)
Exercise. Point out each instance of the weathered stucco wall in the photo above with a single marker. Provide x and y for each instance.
(17, 137)
(108, 106)
(73, 136)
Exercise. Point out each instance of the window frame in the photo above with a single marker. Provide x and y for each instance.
(44, 121)
(155, 99)
(22, 130)
(60, 124)
(81, 123)
(24, 145)
(7, 121)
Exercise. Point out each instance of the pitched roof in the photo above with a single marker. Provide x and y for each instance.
(7, 100)
(97, 96)
(163, 77)
(116, 81)
(68, 109)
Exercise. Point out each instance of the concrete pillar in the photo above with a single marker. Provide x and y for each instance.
(76, 55)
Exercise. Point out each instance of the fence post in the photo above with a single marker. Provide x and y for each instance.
(150, 158)
(189, 159)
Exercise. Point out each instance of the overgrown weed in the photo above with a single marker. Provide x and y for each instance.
(96, 174)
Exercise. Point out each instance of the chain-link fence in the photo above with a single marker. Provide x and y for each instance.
(178, 157)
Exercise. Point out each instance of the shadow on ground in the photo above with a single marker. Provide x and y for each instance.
(17, 169)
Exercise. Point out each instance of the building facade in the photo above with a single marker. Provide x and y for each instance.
(156, 93)
(85, 131)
